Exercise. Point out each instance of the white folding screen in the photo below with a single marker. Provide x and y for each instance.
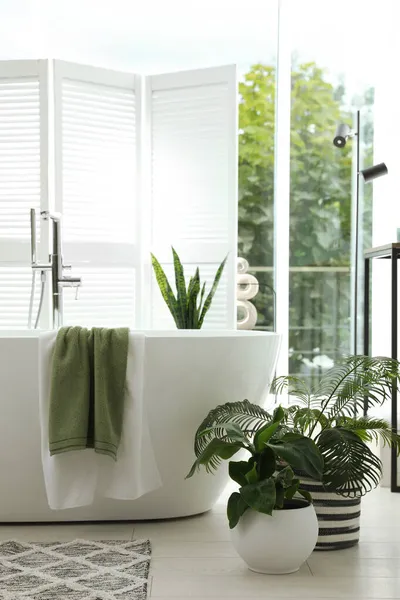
(96, 190)
(23, 179)
(139, 164)
(193, 139)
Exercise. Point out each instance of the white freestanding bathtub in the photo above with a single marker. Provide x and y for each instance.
(186, 374)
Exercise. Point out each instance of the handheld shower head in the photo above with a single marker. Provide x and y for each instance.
(33, 235)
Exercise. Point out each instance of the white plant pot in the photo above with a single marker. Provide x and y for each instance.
(276, 544)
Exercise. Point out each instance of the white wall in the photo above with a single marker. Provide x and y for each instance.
(386, 207)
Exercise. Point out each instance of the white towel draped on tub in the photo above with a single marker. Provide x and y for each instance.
(76, 478)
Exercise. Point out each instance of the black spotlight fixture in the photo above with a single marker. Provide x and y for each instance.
(374, 172)
(343, 133)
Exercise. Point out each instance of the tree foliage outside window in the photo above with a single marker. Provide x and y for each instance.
(320, 207)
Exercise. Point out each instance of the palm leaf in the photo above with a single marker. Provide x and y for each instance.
(213, 453)
(245, 414)
(350, 468)
(166, 291)
(373, 429)
(293, 386)
(343, 389)
(208, 300)
(180, 289)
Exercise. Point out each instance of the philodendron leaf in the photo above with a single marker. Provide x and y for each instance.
(285, 476)
(252, 474)
(305, 495)
(215, 450)
(238, 470)
(208, 300)
(264, 434)
(235, 509)
(180, 288)
(260, 496)
(279, 414)
(292, 489)
(166, 291)
(300, 453)
(266, 463)
(280, 495)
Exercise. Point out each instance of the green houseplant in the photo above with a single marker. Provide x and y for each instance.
(331, 413)
(261, 512)
(328, 414)
(190, 305)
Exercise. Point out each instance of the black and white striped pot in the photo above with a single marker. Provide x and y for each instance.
(338, 517)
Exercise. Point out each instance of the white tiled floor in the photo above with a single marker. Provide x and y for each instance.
(193, 558)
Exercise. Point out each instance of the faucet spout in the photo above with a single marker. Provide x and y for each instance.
(54, 216)
(56, 265)
(70, 281)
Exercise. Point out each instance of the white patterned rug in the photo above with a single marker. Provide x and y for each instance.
(78, 570)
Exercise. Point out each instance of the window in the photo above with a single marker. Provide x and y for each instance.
(140, 164)
(329, 83)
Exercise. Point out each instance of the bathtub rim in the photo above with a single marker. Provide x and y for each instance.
(157, 333)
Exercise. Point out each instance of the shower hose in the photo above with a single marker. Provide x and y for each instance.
(32, 298)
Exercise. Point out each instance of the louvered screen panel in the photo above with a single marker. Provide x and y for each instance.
(98, 162)
(217, 316)
(190, 165)
(96, 190)
(19, 154)
(15, 286)
(23, 168)
(106, 298)
(194, 174)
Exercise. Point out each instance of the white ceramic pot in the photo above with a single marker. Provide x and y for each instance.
(276, 544)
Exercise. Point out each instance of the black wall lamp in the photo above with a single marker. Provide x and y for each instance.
(343, 133)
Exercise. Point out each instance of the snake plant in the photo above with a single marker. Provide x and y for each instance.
(190, 305)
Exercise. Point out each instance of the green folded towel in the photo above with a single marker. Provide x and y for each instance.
(87, 390)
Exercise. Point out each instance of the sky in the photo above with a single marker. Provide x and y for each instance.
(152, 36)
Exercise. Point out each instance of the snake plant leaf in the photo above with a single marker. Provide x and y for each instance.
(203, 289)
(190, 305)
(166, 290)
(208, 300)
(180, 289)
(193, 292)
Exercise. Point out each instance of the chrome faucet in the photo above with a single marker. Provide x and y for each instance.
(55, 264)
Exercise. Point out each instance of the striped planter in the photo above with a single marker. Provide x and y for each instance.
(338, 517)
